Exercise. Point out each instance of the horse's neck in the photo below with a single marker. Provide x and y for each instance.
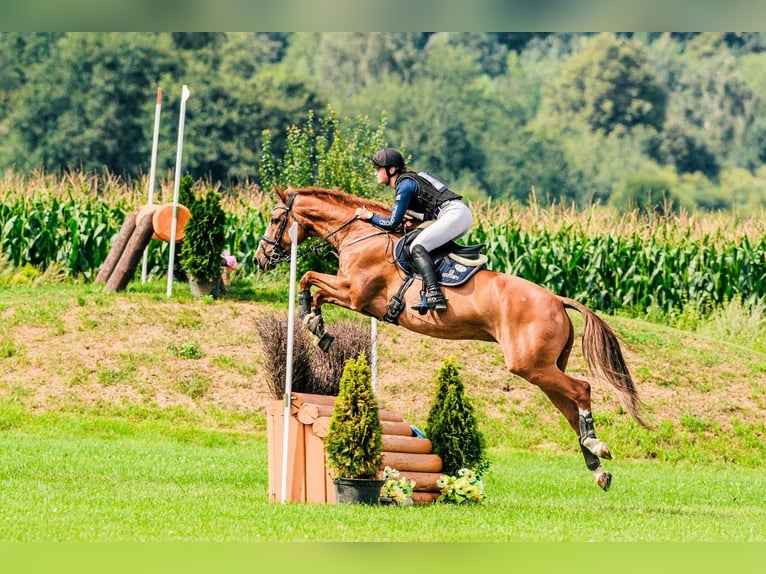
(329, 222)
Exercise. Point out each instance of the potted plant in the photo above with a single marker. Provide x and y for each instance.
(354, 441)
(203, 244)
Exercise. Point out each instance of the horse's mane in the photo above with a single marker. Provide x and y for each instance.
(341, 197)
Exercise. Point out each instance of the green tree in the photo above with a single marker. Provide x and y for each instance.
(328, 151)
(82, 107)
(343, 63)
(676, 146)
(355, 436)
(203, 243)
(523, 164)
(238, 92)
(709, 95)
(451, 425)
(609, 84)
(19, 51)
(491, 54)
(442, 116)
(647, 193)
(86, 100)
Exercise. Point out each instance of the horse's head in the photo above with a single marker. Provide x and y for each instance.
(319, 212)
(274, 245)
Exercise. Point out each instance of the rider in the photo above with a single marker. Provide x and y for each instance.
(430, 200)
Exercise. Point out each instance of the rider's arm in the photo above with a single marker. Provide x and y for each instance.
(405, 193)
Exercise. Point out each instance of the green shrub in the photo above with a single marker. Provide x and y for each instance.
(452, 426)
(204, 238)
(326, 152)
(354, 441)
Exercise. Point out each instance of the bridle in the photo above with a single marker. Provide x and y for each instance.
(277, 253)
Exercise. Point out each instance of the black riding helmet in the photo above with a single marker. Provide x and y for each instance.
(388, 157)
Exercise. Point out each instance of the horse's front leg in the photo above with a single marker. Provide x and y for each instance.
(330, 289)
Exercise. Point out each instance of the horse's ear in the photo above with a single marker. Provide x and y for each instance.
(279, 192)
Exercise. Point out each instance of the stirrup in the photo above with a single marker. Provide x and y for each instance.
(435, 301)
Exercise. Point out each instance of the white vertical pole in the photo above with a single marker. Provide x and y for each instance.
(374, 345)
(293, 232)
(184, 96)
(152, 169)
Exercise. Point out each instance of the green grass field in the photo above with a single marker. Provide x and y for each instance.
(112, 432)
(95, 478)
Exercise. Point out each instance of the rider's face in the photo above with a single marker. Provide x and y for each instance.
(381, 176)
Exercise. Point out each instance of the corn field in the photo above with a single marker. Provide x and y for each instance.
(607, 260)
(630, 262)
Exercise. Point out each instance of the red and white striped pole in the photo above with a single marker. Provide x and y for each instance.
(153, 169)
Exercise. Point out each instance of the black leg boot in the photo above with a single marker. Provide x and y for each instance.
(424, 265)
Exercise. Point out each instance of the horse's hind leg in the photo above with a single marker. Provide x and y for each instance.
(582, 423)
(572, 397)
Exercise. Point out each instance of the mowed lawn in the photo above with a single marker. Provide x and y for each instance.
(65, 478)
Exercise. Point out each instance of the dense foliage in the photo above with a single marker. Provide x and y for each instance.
(354, 440)
(203, 243)
(452, 427)
(630, 118)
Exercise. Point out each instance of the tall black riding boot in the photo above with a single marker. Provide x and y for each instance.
(424, 265)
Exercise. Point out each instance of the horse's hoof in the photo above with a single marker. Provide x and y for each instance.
(325, 342)
(598, 448)
(604, 479)
(314, 323)
(605, 453)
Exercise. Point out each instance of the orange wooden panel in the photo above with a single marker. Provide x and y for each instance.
(299, 398)
(296, 455)
(296, 462)
(330, 487)
(424, 481)
(424, 497)
(399, 443)
(316, 473)
(310, 412)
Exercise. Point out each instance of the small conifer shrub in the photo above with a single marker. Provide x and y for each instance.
(354, 439)
(451, 425)
(204, 238)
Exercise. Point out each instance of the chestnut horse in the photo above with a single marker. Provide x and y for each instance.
(528, 321)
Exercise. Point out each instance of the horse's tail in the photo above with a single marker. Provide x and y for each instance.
(603, 356)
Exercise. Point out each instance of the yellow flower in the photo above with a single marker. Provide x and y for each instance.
(471, 491)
